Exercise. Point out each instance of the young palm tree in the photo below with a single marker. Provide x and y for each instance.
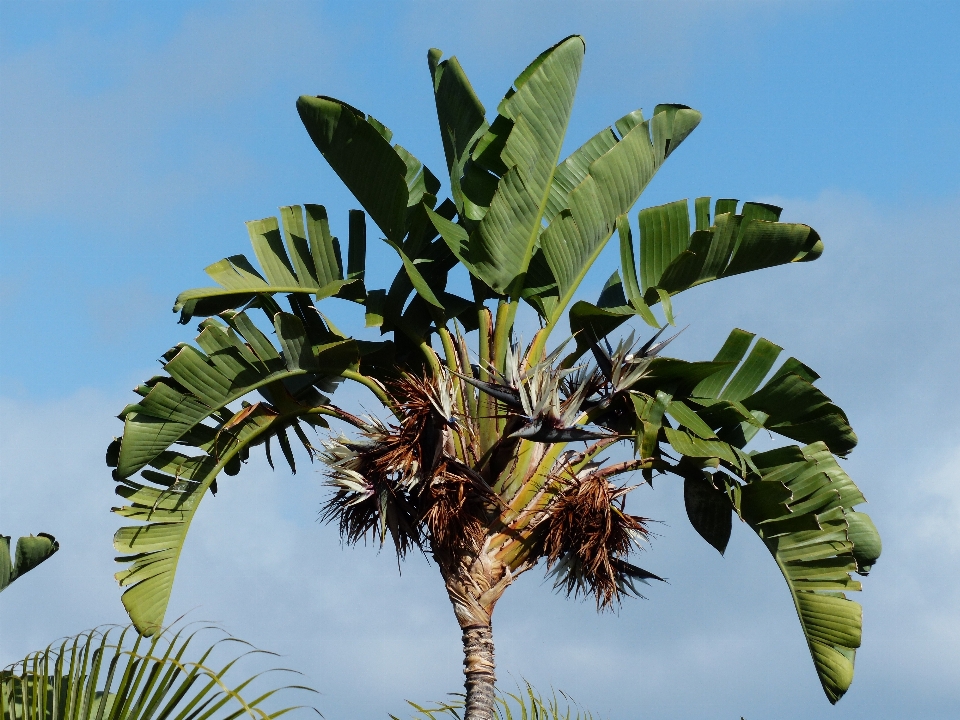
(111, 673)
(492, 458)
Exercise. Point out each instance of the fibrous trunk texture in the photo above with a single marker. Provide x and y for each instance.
(478, 667)
(474, 584)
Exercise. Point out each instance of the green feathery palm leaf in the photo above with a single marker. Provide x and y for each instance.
(115, 674)
(526, 703)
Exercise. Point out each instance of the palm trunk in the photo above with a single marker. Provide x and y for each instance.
(478, 668)
(474, 584)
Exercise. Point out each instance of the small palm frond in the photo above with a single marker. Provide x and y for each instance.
(588, 535)
(113, 673)
(527, 703)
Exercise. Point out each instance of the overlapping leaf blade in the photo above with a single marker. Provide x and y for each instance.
(797, 499)
(794, 408)
(580, 200)
(708, 509)
(788, 403)
(233, 361)
(315, 269)
(537, 112)
(385, 179)
(612, 184)
(238, 360)
(664, 234)
(461, 116)
(167, 505)
(801, 509)
(673, 259)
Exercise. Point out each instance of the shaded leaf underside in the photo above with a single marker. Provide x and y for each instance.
(238, 360)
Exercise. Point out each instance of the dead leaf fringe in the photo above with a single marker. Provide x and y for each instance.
(368, 501)
(405, 479)
(588, 536)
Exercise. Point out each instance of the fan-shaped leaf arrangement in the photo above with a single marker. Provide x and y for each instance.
(492, 455)
(115, 674)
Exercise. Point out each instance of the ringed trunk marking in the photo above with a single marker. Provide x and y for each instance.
(479, 670)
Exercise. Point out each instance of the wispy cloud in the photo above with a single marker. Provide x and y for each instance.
(99, 126)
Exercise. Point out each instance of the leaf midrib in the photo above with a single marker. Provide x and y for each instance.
(185, 523)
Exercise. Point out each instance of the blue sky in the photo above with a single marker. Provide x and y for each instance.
(135, 139)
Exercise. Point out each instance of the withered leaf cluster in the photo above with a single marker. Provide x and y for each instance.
(424, 481)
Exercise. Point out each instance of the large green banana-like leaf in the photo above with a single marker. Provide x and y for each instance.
(385, 179)
(802, 508)
(167, 500)
(672, 259)
(576, 168)
(232, 361)
(635, 162)
(31, 551)
(504, 178)
(522, 146)
(734, 404)
(462, 120)
(605, 178)
(399, 193)
(314, 265)
(115, 674)
(585, 194)
(200, 386)
(798, 500)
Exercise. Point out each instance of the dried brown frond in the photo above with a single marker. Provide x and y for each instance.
(368, 501)
(405, 478)
(454, 511)
(588, 536)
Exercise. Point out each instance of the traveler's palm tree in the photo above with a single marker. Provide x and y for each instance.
(491, 454)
